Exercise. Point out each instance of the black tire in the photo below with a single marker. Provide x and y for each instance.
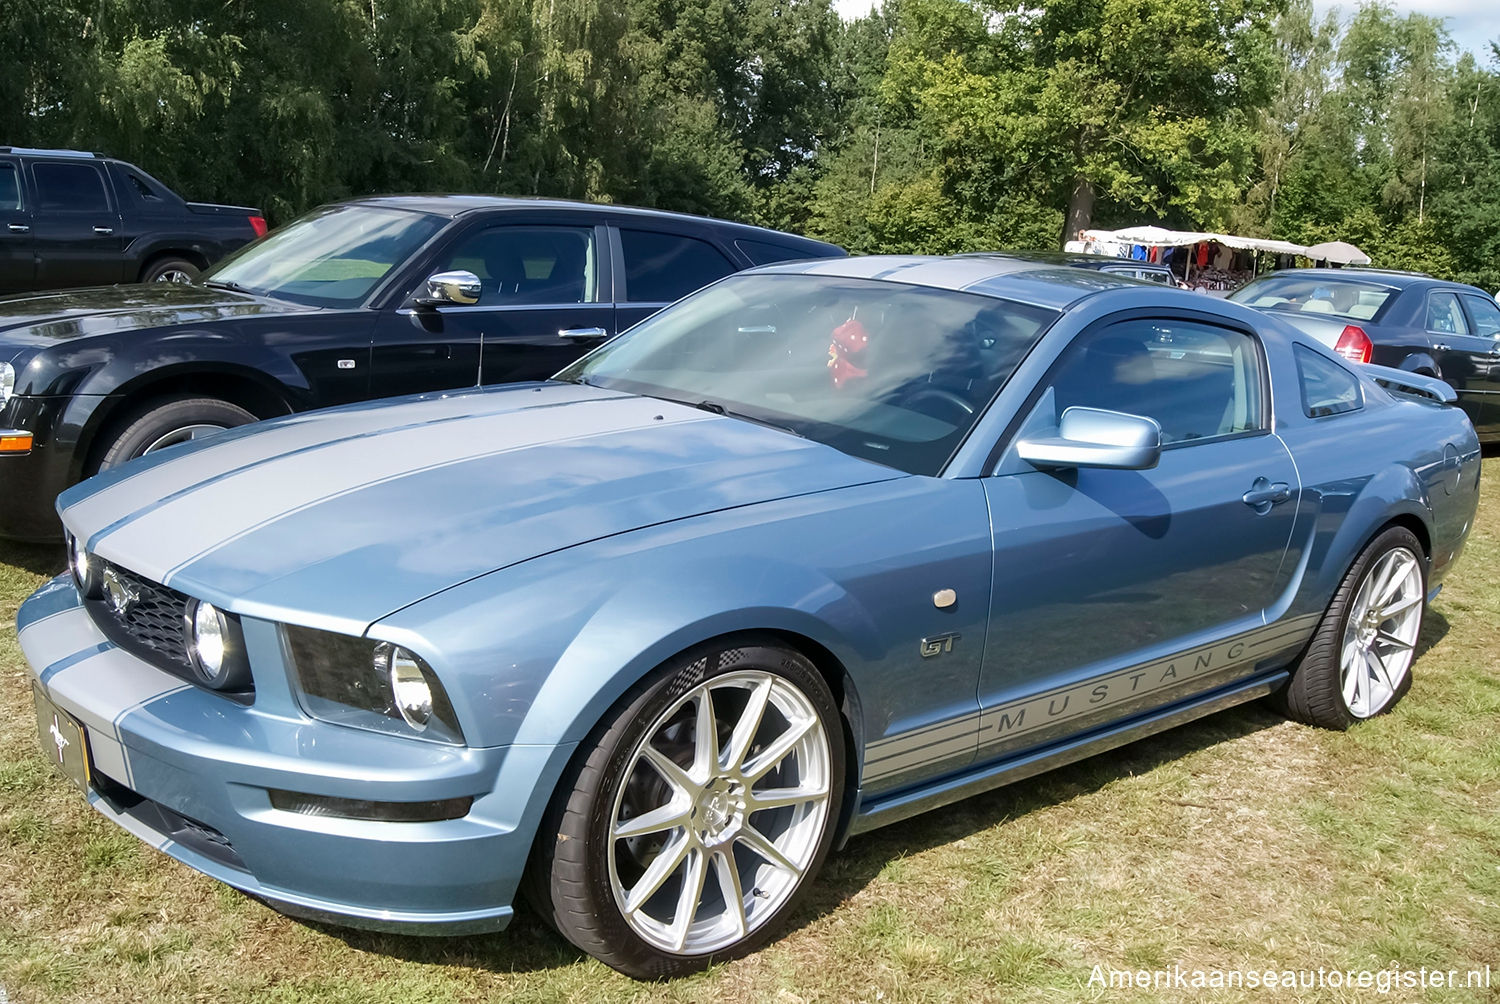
(1315, 694)
(160, 419)
(568, 879)
(168, 269)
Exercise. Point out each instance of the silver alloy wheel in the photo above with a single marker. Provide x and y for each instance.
(732, 784)
(173, 275)
(1380, 635)
(183, 435)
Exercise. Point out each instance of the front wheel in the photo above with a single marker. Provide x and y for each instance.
(169, 423)
(697, 815)
(1358, 664)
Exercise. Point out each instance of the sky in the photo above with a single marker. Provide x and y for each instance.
(1473, 23)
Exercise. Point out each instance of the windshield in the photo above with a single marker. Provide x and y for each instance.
(1349, 299)
(332, 257)
(892, 373)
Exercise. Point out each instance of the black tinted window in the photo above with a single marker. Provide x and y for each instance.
(1485, 312)
(79, 187)
(10, 188)
(1444, 315)
(661, 267)
(528, 265)
(762, 253)
(1196, 380)
(1327, 388)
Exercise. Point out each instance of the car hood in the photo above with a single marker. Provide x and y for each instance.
(336, 519)
(42, 319)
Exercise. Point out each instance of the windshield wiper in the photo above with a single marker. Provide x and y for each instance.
(227, 284)
(715, 408)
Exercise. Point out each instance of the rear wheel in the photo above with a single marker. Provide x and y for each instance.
(170, 270)
(1358, 664)
(171, 422)
(698, 813)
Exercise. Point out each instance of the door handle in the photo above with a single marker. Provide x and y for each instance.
(1440, 346)
(105, 231)
(1264, 494)
(583, 333)
(19, 228)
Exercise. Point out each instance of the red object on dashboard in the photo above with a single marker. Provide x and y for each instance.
(849, 339)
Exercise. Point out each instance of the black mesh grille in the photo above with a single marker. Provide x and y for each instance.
(154, 620)
(150, 625)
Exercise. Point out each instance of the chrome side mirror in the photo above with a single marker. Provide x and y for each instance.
(451, 288)
(1094, 437)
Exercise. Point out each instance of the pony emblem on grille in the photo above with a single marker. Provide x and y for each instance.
(120, 594)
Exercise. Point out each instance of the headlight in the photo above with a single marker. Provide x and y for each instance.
(369, 684)
(215, 646)
(7, 382)
(85, 569)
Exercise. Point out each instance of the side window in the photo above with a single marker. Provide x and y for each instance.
(520, 265)
(1486, 312)
(660, 268)
(1444, 316)
(1198, 381)
(140, 188)
(1327, 388)
(75, 187)
(10, 187)
(762, 253)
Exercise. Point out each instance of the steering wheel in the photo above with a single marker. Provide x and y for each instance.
(949, 404)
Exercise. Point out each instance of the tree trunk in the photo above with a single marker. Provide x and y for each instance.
(1080, 214)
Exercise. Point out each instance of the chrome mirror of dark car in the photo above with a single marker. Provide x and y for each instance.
(1095, 437)
(455, 288)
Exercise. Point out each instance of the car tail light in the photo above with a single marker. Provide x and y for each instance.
(258, 224)
(1354, 345)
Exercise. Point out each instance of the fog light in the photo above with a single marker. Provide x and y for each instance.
(85, 569)
(214, 646)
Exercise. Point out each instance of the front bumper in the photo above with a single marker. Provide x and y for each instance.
(189, 771)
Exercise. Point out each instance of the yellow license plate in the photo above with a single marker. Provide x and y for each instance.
(63, 740)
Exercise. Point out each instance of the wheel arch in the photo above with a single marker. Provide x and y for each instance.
(242, 386)
(150, 261)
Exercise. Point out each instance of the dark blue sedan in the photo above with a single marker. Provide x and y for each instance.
(820, 547)
(1402, 319)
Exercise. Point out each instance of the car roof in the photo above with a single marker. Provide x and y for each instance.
(1007, 276)
(1383, 277)
(454, 206)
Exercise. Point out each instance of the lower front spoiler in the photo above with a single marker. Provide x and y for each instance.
(308, 907)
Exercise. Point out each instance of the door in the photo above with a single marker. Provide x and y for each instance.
(1484, 323)
(1102, 577)
(1463, 357)
(661, 267)
(17, 264)
(540, 307)
(75, 226)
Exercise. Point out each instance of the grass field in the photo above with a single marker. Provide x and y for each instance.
(1240, 841)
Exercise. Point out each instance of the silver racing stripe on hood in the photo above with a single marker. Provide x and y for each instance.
(216, 498)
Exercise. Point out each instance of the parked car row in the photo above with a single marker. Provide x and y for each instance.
(821, 546)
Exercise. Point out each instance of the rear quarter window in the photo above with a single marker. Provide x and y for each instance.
(1327, 388)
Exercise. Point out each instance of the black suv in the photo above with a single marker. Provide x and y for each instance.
(82, 219)
(364, 299)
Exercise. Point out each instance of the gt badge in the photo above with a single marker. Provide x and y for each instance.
(938, 644)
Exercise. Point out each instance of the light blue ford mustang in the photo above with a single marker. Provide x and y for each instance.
(822, 546)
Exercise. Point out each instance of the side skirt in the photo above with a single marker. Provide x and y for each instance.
(895, 807)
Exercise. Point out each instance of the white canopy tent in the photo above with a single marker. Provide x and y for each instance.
(1162, 238)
